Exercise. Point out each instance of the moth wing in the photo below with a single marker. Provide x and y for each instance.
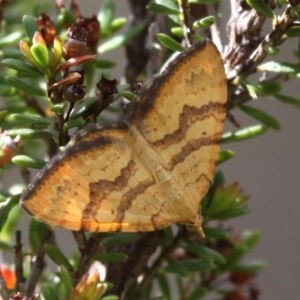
(98, 184)
(181, 115)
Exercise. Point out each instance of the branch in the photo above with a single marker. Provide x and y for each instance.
(186, 20)
(241, 59)
(259, 53)
(37, 265)
(152, 271)
(138, 256)
(19, 263)
(87, 248)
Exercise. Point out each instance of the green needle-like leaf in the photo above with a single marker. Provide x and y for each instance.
(30, 25)
(288, 100)
(28, 162)
(21, 66)
(261, 116)
(261, 7)
(5, 208)
(168, 42)
(24, 86)
(58, 257)
(162, 9)
(244, 134)
(29, 134)
(176, 267)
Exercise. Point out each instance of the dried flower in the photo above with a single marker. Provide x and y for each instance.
(47, 28)
(88, 288)
(76, 42)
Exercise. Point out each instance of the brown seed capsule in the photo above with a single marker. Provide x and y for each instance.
(75, 44)
(92, 27)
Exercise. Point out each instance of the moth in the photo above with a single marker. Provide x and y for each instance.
(150, 169)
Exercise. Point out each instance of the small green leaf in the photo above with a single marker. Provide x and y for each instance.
(66, 280)
(204, 1)
(6, 207)
(169, 3)
(224, 199)
(34, 120)
(3, 114)
(251, 238)
(279, 67)
(116, 25)
(236, 255)
(6, 246)
(218, 233)
(252, 89)
(123, 87)
(163, 283)
(271, 50)
(120, 40)
(41, 55)
(25, 86)
(78, 122)
(120, 239)
(178, 31)
(205, 22)
(218, 181)
(197, 265)
(268, 88)
(224, 155)
(244, 134)
(199, 250)
(64, 17)
(229, 213)
(217, 257)
(168, 42)
(128, 95)
(83, 107)
(59, 107)
(296, 11)
(250, 266)
(110, 297)
(28, 162)
(293, 32)
(261, 7)
(38, 232)
(197, 293)
(162, 9)
(12, 222)
(261, 116)
(176, 267)
(106, 15)
(21, 66)
(58, 257)
(103, 64)
(288, 100)
(111, 257)
(30, 25)
(29, 134)
(10, 39)
(280, 3)
(49, 291)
